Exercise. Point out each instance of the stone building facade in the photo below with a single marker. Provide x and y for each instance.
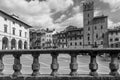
(114, 38)
(74, 37)
(14, 34)
(71, 37)
(41, 38)
(95, 28)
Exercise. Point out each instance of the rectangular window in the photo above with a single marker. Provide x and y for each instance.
(5, 19)
(80, 43)
(20, 33)
(75, 44)
(13, 31)
(101, 26)
(5, 28)
(13, 22)
(95, 27)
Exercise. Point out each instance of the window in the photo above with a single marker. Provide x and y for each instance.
(111, 45)
(96, 36)
(116, 39)
(20, 25)
(80, 43)
(71, 44)
(5, 28)
(88, 43)
(103, 35)
(88, 38)
(88, 15)
(80, 37)
(111, 40)
(13, 22)
(88, 34)
(101, 42)
(101, 26)
(95, 27)
(75, 38)
(5, 19)
(88, 22)
(25, 34)
(20, 33)
(75, 43)
(13, 31)
(116, 46)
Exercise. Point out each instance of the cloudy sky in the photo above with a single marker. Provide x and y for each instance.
(59, 13)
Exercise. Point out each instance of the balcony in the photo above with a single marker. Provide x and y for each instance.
(73, 75)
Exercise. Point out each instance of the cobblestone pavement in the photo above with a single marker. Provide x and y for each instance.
(45, 61)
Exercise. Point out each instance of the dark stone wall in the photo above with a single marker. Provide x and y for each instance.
(82, 77)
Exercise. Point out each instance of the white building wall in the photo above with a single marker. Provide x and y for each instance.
(9, 33)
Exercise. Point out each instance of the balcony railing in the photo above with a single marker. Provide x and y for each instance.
(93, 65)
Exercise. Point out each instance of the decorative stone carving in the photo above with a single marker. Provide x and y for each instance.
(35, 65)
(93, 66)
(17, 65)
(54, 65)
(1, 64)
(73, 64)
(114, 66)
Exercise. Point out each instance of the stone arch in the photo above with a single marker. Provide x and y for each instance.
(25, 45)
(20, 44)
(5, 43)
(13, 44)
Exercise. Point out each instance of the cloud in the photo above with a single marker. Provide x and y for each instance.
(112, 24)
(35, 13)
(114, 4)
(76, 20)
(59, 5)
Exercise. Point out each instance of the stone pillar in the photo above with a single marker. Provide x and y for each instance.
(17, 44)
(114, 65)
(23, 45)
(9, 44)
(17, 65)
(93, 66)
(1, 64)
(54, 65)
(35, 65)
(73, 64)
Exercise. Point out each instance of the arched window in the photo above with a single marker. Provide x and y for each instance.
(13, 44)
(5, 43)
(25, 45)
(19, 44)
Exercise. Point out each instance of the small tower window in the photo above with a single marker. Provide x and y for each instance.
(95, 27)
(88, 15)
(101, 26)
(88, 22)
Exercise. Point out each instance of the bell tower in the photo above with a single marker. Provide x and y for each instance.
(88, 15)
(88, 12)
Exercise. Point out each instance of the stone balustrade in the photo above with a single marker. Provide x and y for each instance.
(74, 75)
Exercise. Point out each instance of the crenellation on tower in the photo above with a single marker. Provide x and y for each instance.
(94, 27)
(87, 6)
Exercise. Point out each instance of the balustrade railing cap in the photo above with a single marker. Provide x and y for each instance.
(47, 51)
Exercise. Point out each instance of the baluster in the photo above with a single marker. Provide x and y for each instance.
(73, 64)
(1, 64)
(93, 66)
(54, 65)
(114, 66)
(17, 65)
(36, 65)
